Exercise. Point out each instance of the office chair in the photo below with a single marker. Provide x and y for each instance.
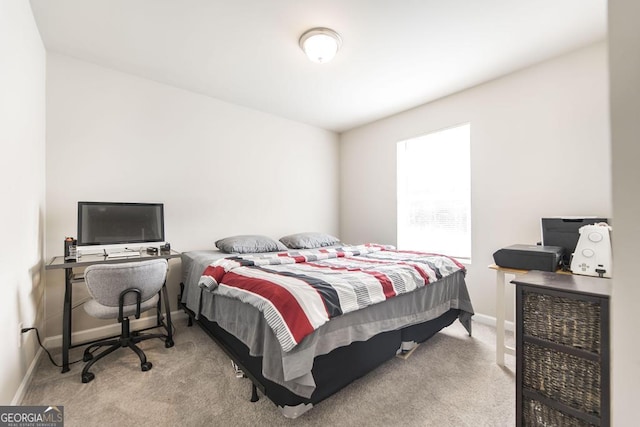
(120, 291)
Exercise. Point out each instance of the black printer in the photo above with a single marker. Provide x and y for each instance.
(529, 257)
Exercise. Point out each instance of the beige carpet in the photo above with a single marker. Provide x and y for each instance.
(451, 380)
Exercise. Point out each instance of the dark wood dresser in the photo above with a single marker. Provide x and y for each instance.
(562, 350)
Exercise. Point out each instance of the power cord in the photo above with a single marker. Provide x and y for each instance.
(23, 330)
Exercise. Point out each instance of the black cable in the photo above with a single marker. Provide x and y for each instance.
(43, 347)
(24, 330)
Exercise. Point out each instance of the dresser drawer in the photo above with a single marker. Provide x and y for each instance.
(536, 413)
(570, 322)
(562, 377)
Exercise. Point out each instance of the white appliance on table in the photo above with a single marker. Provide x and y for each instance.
(592, 256)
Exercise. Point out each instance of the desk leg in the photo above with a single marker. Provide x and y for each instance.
(500, 317)
(66, 319)
(167, 308)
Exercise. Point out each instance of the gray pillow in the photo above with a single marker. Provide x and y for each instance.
(249, 244)
(309, 240)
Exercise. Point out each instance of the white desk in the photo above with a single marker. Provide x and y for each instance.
(501, 348)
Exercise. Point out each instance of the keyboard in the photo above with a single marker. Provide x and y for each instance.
(126, 254)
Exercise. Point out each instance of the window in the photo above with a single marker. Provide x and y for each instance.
(434, 192)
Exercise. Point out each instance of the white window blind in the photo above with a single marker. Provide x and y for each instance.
(434, 192)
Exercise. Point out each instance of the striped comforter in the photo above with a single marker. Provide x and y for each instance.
(299, 291)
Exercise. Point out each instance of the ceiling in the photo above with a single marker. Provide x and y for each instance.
(395, 54)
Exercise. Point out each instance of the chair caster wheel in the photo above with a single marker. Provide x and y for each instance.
(87, 377)
(168, 343)
(86, 357)
(146, 366)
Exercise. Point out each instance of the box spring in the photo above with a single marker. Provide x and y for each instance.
(331, 371)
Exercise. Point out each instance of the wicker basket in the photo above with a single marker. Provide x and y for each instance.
(564, 321)
(536, 413)
(562, 377)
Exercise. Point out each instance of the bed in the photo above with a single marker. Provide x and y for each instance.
(299, 356)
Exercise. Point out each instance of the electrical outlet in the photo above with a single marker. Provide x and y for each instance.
(20, 326)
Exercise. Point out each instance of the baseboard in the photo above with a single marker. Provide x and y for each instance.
(491, 321)
(17, 398)
(109, 330)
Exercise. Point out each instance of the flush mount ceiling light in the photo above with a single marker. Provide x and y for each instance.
(320, 44)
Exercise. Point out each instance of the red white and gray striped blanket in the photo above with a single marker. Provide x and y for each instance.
(299, 291)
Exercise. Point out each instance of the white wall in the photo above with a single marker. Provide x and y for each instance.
(22, 141)
(220, 169)
(539, 147)
(624, 62)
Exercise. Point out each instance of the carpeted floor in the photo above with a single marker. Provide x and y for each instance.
(451, 380)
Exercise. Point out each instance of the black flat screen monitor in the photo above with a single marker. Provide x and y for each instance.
(564, 232)
(111, 223)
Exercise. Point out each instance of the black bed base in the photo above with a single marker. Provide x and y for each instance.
(331, 371)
